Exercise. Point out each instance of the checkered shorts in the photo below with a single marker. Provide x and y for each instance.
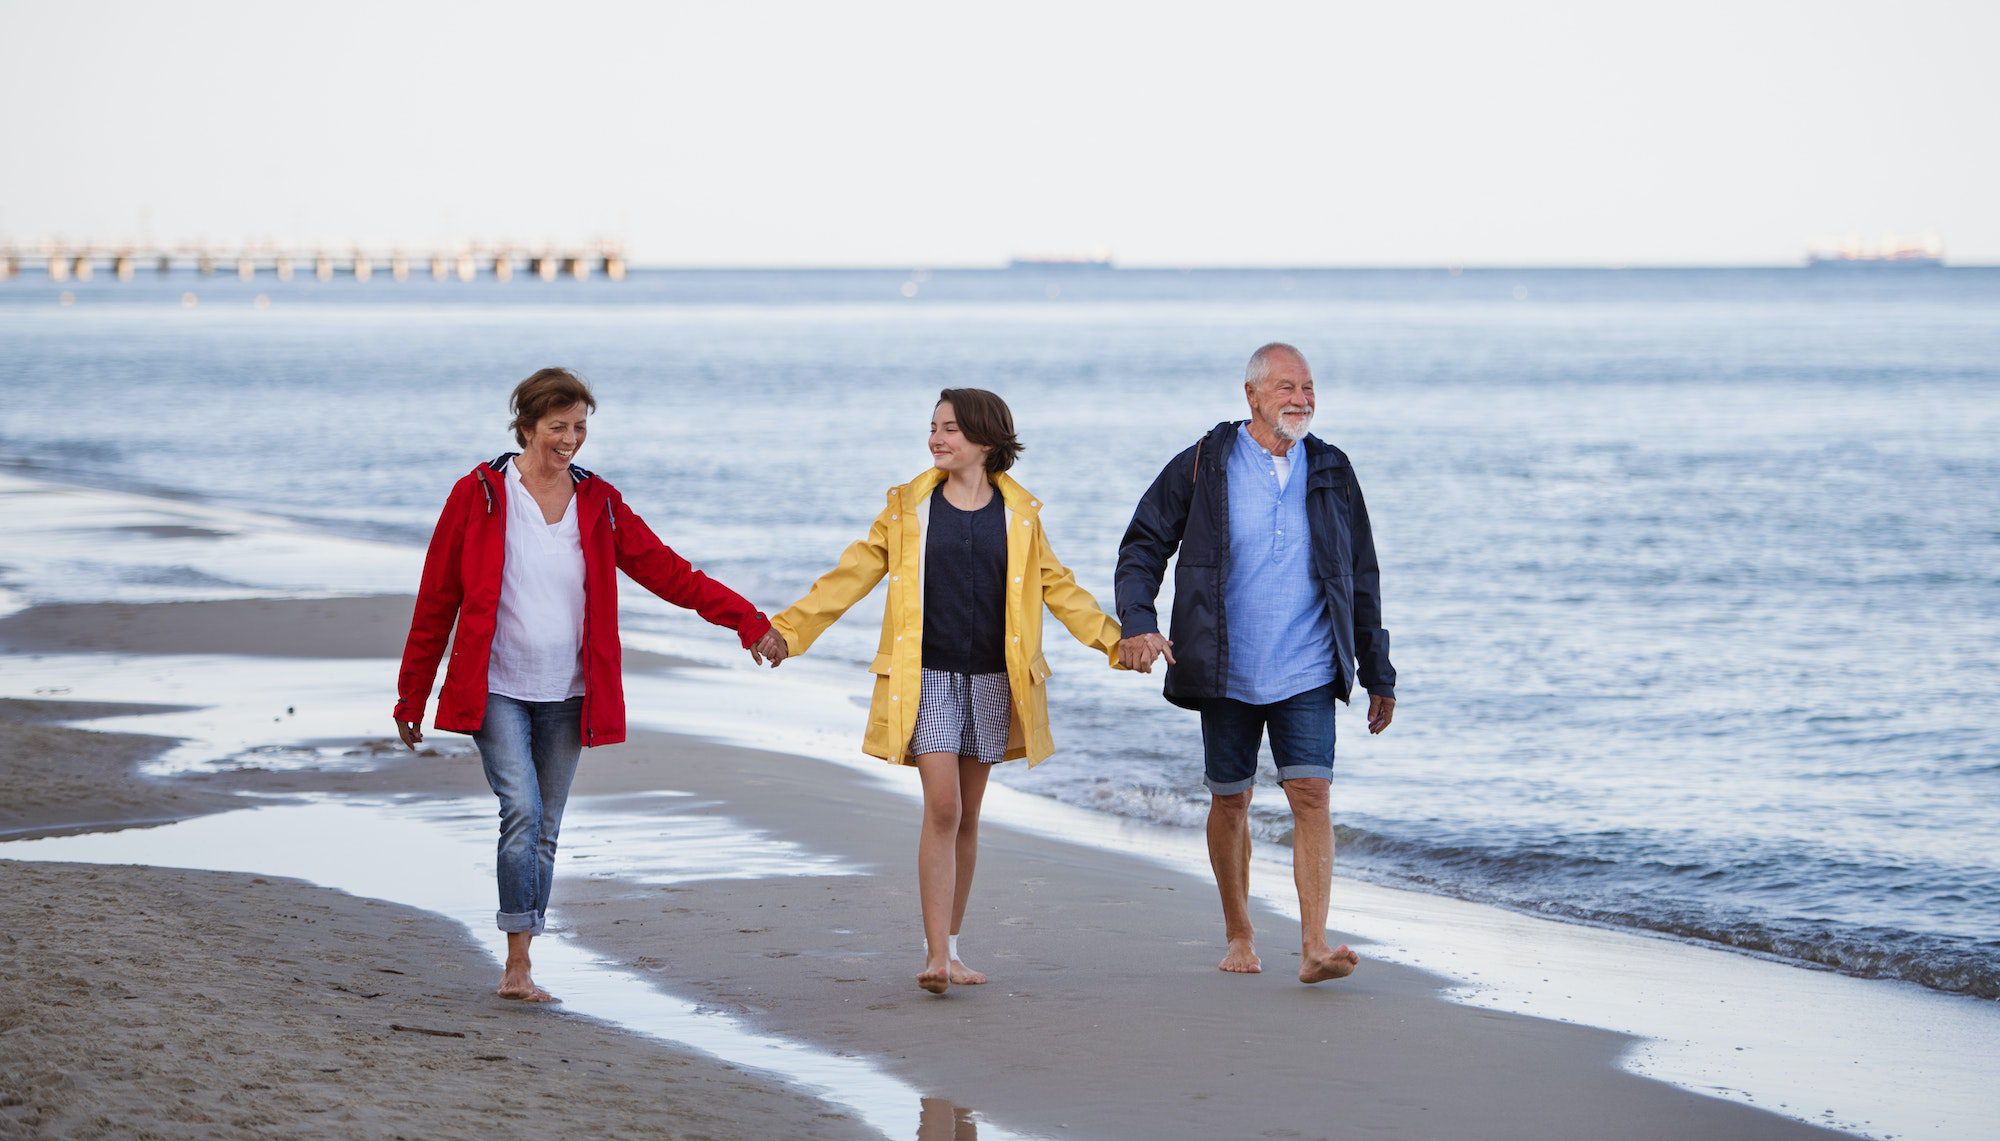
(966, 714)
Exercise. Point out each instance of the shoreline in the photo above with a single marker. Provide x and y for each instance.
(1061, 952)
(1080, 943)
(808, 725)
(165, 1001)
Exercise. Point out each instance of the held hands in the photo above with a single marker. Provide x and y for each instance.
(1141, 651)
(772, 646)
(1381, 711)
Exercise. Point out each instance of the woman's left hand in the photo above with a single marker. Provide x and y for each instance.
(772, 646)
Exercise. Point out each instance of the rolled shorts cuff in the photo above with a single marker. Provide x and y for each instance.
(1230, 788)
(1304, 772)
(513, 922)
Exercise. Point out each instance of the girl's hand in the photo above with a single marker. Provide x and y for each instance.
(411, 733)
(771, 645)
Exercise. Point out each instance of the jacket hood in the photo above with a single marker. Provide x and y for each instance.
(498, 464)
(1019, 499)
(498, 467)
(1322, 454)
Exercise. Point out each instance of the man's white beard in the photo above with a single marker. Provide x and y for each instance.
(1293, 428)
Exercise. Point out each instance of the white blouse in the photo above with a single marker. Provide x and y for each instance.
(538, 638)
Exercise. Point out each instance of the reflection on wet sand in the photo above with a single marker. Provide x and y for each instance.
(940, 1120)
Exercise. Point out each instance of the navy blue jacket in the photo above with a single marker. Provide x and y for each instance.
(1188, 508)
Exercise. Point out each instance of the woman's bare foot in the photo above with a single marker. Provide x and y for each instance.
(517, 985)
(1318, 967)
(935, 977)
(1242, 958)
(962, 975)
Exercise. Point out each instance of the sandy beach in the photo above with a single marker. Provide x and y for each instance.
(156, 1002)
(153, 1001)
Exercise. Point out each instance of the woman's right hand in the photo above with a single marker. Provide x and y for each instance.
(411, 733)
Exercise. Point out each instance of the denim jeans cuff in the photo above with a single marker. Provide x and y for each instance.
(1229, 788)
(1304, 772)
(515, 921)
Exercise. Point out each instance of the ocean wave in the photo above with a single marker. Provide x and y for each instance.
(1602, 889)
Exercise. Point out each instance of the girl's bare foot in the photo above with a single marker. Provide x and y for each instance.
(935, 977)
(1242, 958)
(962, 975)
(1320, 966)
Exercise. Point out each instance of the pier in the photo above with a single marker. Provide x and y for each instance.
(466, 261)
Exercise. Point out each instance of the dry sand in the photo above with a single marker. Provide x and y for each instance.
(1106, 1016)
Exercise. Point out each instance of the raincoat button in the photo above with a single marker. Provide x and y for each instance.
(1017, 578)
(895, 578)
(895, 697)
(899, 637)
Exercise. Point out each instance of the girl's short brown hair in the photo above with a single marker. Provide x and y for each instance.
(543, 393)
(985, 419)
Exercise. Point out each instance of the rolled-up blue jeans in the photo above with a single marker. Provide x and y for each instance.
(529, 750)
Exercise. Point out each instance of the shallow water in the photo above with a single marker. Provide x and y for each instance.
(1690, 573)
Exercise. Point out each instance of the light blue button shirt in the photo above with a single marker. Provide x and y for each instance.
(1280, 639)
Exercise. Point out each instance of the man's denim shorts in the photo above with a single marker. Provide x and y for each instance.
(1301, 739)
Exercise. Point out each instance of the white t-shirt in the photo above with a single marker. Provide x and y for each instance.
(1283, 464)
(538, 635)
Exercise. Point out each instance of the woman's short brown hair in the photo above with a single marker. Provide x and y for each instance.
(543, 393)
(985, 419)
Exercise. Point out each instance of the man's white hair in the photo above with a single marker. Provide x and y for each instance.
(1260, 361)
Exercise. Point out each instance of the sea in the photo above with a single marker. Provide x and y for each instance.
(1692, 575)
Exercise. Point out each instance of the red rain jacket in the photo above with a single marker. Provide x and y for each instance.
(462, 583)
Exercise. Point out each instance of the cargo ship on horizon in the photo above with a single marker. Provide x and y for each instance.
(1925, 252)
(1096, 259)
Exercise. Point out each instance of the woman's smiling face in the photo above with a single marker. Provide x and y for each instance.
(557, 437)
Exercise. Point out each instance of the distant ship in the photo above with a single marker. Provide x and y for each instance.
(1890, 253)
(1096, 260)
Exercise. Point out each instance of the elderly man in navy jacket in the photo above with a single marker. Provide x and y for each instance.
(1277, 616)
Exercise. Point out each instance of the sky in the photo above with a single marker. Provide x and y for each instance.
(1258, 132)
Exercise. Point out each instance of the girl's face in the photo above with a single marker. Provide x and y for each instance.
(950, 450)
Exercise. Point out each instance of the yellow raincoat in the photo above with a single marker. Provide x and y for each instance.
(895, 547)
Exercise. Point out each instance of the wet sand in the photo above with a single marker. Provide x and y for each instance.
(1106, 1016)
(147, 1002)
(159, 1002)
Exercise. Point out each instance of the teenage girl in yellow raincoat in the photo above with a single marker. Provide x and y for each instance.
(959, 673)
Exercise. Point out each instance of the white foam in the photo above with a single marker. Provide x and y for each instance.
(86, 545)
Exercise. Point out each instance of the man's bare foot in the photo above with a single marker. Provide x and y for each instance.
(935, 979)
(516, 984)
(1242, 958)
(1317, 967)
(962, 975)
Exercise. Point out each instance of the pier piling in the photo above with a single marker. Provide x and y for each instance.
(62, 261)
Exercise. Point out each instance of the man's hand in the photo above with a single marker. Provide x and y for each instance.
(411, 733)
(772, 646)
(1141, 651)
(1381, 711)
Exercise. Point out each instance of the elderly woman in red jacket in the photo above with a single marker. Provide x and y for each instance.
(525, 562)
